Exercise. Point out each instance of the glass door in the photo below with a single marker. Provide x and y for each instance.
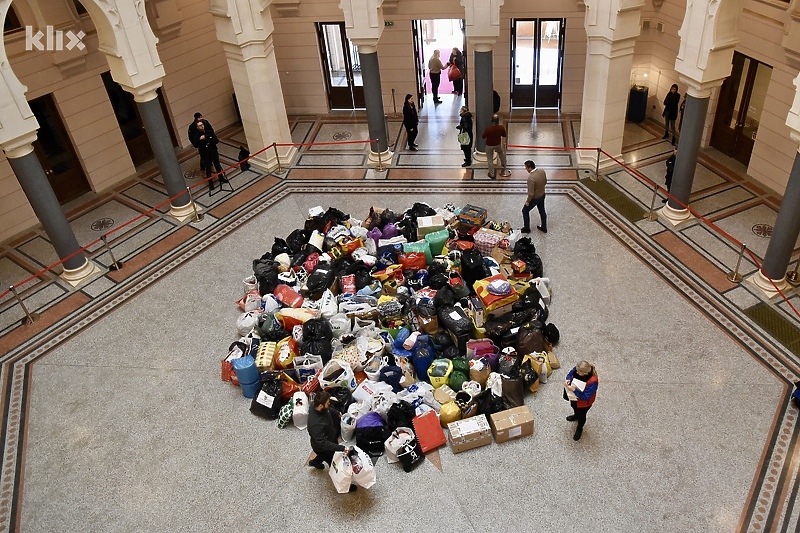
(537, 60)
(340, 61)
(741, 101)
(420, 62)
(55, 152)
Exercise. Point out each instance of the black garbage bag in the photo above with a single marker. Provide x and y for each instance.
(401, 415)
(335, 216)
(444, 297)
(496, 327)
(552, 334)
(314, 223)
(434, 269)
(441, 341)
(473, 267)
(320, 347)
(270, 329)
(524, 246)
(437, 280)
(341, 397)
(530, 337)
(300, 257)
(528, 374)
(420, 209)
(513, 392)
(371, 434)
(388, 217)
(267, 402)
(328, 244)
(319, 280)
(280, 247)
(455, 320)
(451, 352)
(317, 328)
(489, 403)
(509, 364)
(525, 250)
(425, 307)
(408, 228)
(266, 273)
(297, 239)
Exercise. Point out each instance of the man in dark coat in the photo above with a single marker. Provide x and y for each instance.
(207, 146)
(671, 103)
(324, 428)
(670, 169)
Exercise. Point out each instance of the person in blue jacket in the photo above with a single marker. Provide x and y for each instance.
(585, 372)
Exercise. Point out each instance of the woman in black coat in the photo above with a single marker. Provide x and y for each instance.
(410, 121)
(465, 126)
(670, 114)
(457, 59)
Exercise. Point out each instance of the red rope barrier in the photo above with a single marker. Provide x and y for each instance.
(327, 143)
(711, 224)
(563, 148)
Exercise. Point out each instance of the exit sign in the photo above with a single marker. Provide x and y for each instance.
(388, 23)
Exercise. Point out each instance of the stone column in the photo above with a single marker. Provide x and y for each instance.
(787, 225)
(245, 30)
(160, 142)
(32, 179)
(376, 120)
(611, 30)
(694, 118)
(483, 69)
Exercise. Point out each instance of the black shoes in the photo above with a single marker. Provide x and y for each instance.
(465, 164)
(572, 418)
(491, 176)
(316, 464)
(437, 101)
(223, 179)
(354, 488)
(414, 148)
(543, 230)
(525, 230)
(578, 433)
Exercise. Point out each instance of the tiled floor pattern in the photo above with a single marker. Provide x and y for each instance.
(692, 258)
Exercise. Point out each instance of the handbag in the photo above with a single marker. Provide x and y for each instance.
(453, 73)
(463, 138)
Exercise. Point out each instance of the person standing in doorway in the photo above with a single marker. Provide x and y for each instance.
(435, 68)
(583, 392)
(209, 155)
(194, 134)
(537, 179)
(410, 121)
(465, 126)
(457, 60)
(670, 169)
(670, 114)
(494, 135)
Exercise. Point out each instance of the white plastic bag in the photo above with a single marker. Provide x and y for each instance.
(341, 472)
(337, 373)
(348, 424)
(495, 382)
(307, 365)
(270, 303)
(543, 286)
(252, 301)
(340, 324)
(246, 322)
(359, 408)
(250, 284)
(367, 389)
(300, 409)
(395, 441)
(362, 467)
(382, 401)
(328, 306)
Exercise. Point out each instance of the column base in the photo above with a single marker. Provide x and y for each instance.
(675, 216)
(385, 158)
(74, 276)
(268, 162)
(765, 285)
(184, 212)
(479, 157)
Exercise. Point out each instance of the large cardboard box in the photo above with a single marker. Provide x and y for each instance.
(427, 225)
(512, 424)
(469, 433)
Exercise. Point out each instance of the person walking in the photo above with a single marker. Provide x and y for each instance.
(670, 168)
(494, 135)
(537, 179)
(581, 383)
(194, 134)
(209, 155)
(456, 59)
(435, 68)
(324, 429)
(670, 114)
(410, 121)
(465, 126)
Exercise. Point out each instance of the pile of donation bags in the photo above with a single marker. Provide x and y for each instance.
(411, 321)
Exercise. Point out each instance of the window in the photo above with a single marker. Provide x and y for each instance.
(12, 22)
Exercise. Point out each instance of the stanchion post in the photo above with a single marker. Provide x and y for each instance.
(115, 265)
(380, 167)
(793, 277)
(197, 216)
(277, 157)
(652, 216)
(29, 318)
(597, 167)
(735, 277)
(394, 103)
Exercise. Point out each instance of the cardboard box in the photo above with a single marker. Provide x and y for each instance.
(469, 433)
(501, 255)
(512, 424)
(427, 225)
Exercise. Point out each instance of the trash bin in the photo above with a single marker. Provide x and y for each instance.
(637, 104)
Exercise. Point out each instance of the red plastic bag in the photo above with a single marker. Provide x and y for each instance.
(287, 296)
(413, 260)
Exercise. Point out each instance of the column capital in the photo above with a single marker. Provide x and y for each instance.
(363, 19)
(366, 46)
(699, 89)
(482, 20)
(240, 22)
(20, 146)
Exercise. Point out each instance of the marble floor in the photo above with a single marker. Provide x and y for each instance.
(115, 418)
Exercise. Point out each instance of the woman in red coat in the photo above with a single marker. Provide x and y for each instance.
(584, 394)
